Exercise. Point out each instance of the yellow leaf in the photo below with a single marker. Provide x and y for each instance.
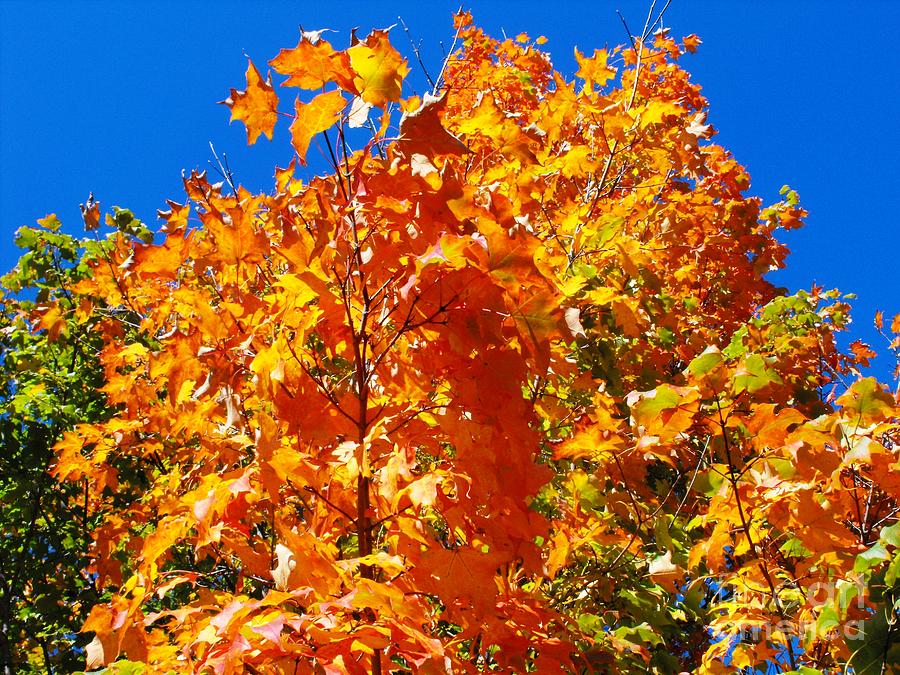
(559, 552)
(866, 401)
(268, 366)
(379, 69)
(656, 111)
(296, 291)
(488, 120)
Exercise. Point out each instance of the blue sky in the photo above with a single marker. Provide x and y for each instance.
(118, 98)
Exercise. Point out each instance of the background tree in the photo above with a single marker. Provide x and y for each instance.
(49, 344)
(50, 380)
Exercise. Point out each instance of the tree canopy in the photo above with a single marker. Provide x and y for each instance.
(505, 389)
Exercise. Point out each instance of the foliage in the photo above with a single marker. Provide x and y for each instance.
(506, 389)
(48, 347)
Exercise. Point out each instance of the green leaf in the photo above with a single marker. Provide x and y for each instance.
(868, 400)
(893, 571)
(891, 534)
(871, 558)
(827, 620)
(590, 623)
(736, 347)
(661, 533)
(640, 634)
(754, 374)
(26, 237)
(786, 468)
(794, 548)
(708, 482)
(704, 363)
(868, 649)
(652, 403)
(666, 337)
(694, 596)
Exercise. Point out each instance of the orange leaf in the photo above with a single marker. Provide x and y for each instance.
(256, 107)
(488, 120)
(468, 571)
(691, 42)
(421, 131)
(314, 117)
(53, 321)
(594, 70)
(314, 63)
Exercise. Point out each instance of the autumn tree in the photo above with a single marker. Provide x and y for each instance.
(505, 389)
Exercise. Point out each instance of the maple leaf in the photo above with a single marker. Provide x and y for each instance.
(655, 112)
(378, 69)
(469, 572)
(256, 106)
(488, 120)
(53, 321)
(867, 399)
(662, 570)
(314, 63)
(698, 128)
(286, 564)
(691, 42)
(314, 117)
(90, 213)
(359, 113)
(593, 70)
(421, 131)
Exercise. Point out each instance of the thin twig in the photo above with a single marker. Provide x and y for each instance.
(415, 49)
(222, 168)
(440, 77)
(310, 488)
(627, 30)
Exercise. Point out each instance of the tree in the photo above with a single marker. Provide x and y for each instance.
(48, 347)
(507, 389)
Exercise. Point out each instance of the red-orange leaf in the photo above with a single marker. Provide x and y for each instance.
(421, 131)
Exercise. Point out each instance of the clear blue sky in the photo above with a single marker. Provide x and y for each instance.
(118, 98)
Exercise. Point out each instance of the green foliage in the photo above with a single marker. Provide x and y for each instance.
(49, 379)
